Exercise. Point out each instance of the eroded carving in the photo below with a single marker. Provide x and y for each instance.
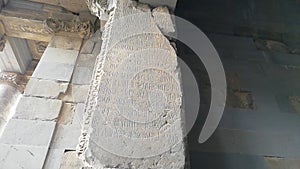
(55, 25)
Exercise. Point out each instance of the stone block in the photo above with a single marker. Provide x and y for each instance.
(22, 156)
(87, 47)
(133, 117)
(63, 42)
(67, 114)
(84, 69)
(76, 94)
(56, 64)
(71, 161)
(32, 108)
(54, 159)
(97, 48)
(45, 88)
(28, 133)
(163, 19)
(66, 137)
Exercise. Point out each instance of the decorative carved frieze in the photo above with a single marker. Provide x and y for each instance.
(55, 25)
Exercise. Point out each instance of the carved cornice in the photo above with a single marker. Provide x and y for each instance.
(55, 25)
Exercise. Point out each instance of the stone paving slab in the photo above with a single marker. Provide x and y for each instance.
(45, 88)
(33, 108)
(56, 64)
(54, 159)
(22, 156)
(66, 137)
(84, 69)
(76, 94)
(28, 133)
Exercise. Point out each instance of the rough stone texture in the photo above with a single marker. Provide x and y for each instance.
(84, 69)
(155, 3)
(65, 43)
(71, 161)
(56, 64)
(134, 98)
(45, 88)
(66, 137)
(28, 132)
(76, 93)
(22, 157)
(69, 127)
(32, 108)
(163, 20)
(67, 114)
(88, 47)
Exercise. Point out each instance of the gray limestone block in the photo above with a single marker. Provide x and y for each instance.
(22, 156)
(45, 88)
(84, 69)
(53, 159)
(68, 43)
(66, 137)
(88, 47)
(28, 133)
(76, 94)
(163, 19)
(32, 108)
(56, 64)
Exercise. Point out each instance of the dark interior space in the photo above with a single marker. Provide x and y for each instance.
(258, 43)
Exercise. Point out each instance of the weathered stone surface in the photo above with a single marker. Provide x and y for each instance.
(66, 137)
(84, 69)
(22, 157)
(67, 114)
(56, 64)
(32, 108)
(87, 47)
(76, 94)
(54, 159)
(65, 43)
(69, 127)
(45, 88)
(71, 161)
(155, 3)
(28, 132)
(163, 19)
(134, 106)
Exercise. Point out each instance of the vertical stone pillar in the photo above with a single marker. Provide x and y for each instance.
(133, 115)
(15, 55)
